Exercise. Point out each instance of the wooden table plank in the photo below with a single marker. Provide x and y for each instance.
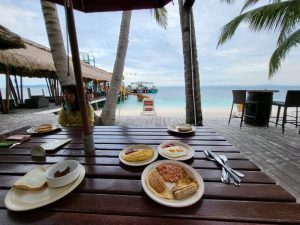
(126, 172)
(64, 218)
(239, 211)
(213, 190)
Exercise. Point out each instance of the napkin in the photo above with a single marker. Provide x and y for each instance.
(18, 137)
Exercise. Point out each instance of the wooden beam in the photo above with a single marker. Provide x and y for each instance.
(2, 103)
(7, 91)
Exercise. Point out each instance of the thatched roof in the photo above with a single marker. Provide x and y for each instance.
(36, 61)
(9, 39)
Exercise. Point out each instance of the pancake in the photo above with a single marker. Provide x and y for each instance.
(137, 155)
(157, 185)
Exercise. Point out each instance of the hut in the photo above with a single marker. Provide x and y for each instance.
(36, 61)
(9, 39)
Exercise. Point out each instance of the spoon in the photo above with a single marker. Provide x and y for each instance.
(224, 159)
(227, 177)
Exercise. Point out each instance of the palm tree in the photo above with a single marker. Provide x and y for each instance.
(56, 43)
(108, 115)
(278, 15)
(191, 69)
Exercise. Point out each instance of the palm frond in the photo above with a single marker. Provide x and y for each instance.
(161, 16)
(282, 50)
(250, 3)
(276, 16)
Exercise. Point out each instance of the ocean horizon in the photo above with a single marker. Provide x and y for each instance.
(174, 97)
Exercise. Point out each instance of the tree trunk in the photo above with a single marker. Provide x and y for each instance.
(108, 115)
(56, 43)
(191, 69)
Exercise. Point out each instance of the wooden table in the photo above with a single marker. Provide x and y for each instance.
(111, 193)
(262, 110)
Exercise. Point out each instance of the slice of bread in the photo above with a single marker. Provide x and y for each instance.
(44, 128)
(35, 179)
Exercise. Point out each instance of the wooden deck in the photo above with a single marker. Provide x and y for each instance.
(275, 153)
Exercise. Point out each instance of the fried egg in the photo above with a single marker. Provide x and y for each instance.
(175, 151)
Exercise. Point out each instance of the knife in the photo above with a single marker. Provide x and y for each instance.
(228, 169)
(13, 145)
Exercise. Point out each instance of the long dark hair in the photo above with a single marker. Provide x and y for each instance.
(71, 88)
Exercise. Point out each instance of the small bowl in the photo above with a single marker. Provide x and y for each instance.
(56, 182)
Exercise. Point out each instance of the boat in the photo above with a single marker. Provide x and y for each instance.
(142, 87)
(153, 90)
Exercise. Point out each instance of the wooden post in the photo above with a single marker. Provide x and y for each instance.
(87, 132)
(17, 88)
(13, 91)
(21, 83)
(2, 103)
(7, 92)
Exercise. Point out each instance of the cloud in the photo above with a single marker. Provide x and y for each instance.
(155, 54)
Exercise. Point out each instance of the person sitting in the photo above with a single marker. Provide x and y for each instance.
(90, 95)
(70, 115)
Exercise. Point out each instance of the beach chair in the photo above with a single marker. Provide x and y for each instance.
(292, 100)
(239, 98)
(148, 107)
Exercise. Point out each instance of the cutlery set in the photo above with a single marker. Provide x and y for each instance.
(228, 175)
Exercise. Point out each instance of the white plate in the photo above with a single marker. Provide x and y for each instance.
(189, 149)
(22, 200)
(189, 200)
(174, 128)
(139, 163)
(33, 130)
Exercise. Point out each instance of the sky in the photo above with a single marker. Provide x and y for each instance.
(155, 54)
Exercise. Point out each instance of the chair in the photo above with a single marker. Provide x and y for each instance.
(292, 99)
(148, 106)
(239, 97)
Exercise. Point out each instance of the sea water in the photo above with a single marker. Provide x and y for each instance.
(211, 96)
(174, 97)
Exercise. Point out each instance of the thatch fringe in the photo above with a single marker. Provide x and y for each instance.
(36, 61)
(9, 39)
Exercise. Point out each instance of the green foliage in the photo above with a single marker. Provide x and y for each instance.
(161, 16)
(279, 16)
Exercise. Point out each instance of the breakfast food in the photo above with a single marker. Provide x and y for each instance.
(174, 151)
(170, 181)
(184, 187)
(170, 173)
(158, 186)
(62, 173)
(44, 128)
(184, 128)
(35, 179)
(138, 154)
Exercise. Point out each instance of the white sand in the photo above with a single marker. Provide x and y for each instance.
(174, 112)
